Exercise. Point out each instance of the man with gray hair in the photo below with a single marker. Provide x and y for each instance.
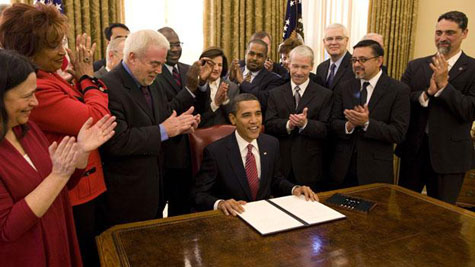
(114, 54)
(297, 114)
(144, 120)
(337, 68)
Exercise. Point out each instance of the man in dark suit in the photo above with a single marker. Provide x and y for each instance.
(336, 69)
(438, 150)
(144, 120)
(269, 64)
(378, 38)
(297, 115)
(242, 166)
(369, 115)
(177, 175)
(113, 31)
(252, 77)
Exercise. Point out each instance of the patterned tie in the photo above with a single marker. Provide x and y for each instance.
(147, 96)
(248, 77)
(297, 96)
(331, 76)
(364, 93)
(176, 76)
(251, 172)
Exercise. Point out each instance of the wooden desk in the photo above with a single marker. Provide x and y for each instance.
(404, 229)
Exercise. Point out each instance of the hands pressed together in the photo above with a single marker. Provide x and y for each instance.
(358, 116)
(184, 123)
(298, 120)
(68, 154)
(440, 76)
(235, 72)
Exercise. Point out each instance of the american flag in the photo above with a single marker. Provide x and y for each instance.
(293, 24)
(57, 3)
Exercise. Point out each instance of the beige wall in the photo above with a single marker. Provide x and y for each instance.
(429, 11)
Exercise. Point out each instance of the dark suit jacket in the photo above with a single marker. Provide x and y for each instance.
(101, 72)
(219, 116)
(449, 116)
(388, 123)
(261, 85)
(98, 64)
(300, 151)
(279, 69)
(131, 157)
(344, 73)
(176, 148)
(222, 174)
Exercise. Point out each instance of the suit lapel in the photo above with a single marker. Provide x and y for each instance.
(169, 78)
(341, 70)
(378, 91)
(135, 92)
(459, 67)
(289, 98)
(309, 94)
(265, 168)
(235, 159)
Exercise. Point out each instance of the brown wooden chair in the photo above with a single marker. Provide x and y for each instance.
(201, 138)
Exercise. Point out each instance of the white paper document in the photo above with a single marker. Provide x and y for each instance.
(285, 213)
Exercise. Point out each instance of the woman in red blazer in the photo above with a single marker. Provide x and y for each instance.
(36, 219)
(38, 32)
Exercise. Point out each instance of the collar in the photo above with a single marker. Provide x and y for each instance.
(215, 83)
(170, 68)
(338, 62)
(243, 143)
(253, 73)
(451, 61)
(373, 81)
(130, 73)
(303, 86)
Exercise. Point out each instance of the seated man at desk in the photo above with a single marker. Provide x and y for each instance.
(242, 166)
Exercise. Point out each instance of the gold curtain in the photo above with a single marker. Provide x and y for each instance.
(396, 21)
(91, 17)
(229, 24)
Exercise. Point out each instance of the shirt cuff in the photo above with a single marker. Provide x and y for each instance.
(189, 91)
(365, 126)
(215, 206)
(163, 133)
(287, 127)
(293, 188)
(349, 132)
(424, 103)
(226, 102)
(213, 106)
(439, 92)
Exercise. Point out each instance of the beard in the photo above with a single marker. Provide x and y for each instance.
(444, 50)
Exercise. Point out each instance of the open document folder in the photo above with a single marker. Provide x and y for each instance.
(284, 213)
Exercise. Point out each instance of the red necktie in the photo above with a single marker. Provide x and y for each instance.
(176, 77)
(251, 172)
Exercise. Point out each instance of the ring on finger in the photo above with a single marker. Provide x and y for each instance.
(86, 59)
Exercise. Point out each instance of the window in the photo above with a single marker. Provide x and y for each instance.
(184, 16)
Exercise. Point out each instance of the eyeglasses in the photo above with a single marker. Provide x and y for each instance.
(177, 44)
(361, 60)
(336, 38)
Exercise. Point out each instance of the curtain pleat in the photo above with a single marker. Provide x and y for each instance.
(229, 24)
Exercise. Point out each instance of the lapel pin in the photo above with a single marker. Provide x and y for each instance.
(461, 68)
(265, 153)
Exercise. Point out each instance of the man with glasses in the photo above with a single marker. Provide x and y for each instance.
(145, 119)
(369, 115)
(438, 149)
(337, 68)
(297, 115)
